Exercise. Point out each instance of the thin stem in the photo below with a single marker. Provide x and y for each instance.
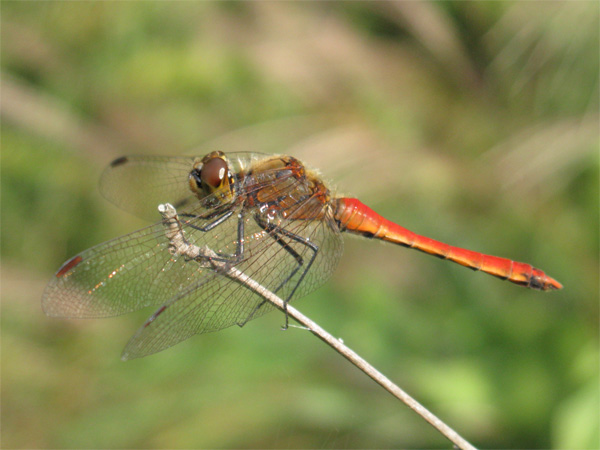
(180, 246)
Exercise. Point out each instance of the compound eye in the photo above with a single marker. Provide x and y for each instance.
(195, 179)
(214, 172)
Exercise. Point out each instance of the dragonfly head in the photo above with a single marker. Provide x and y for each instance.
(211, 180)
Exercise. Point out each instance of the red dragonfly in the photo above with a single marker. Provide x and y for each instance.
(268, 216)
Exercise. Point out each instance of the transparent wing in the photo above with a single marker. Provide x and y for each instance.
(120, 276)
(219, 302)
(139, 184)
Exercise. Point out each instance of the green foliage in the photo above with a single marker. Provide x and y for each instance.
(472, 122)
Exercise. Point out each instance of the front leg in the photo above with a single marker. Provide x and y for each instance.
(218, 217)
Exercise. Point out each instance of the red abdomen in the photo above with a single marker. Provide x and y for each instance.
(355, 217)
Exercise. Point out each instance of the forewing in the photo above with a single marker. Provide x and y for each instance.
(138, 184)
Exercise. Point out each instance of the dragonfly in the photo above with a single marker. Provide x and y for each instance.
(268, 216)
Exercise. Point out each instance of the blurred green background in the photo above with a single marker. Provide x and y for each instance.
(475, 123)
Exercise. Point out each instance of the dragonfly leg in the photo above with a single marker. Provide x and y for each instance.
(218, 221)
(234, 258)
(274, 232)
(315, 250)
(238, 256)
(277, 234)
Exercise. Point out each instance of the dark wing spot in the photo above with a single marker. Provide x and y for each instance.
(155, 315)
(68, 266)
(119, 161)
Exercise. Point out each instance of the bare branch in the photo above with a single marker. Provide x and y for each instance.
(205, 256)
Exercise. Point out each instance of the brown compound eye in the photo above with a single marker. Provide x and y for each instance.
(211, 180)
(214, 172)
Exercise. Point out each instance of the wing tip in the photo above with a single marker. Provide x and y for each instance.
(126, 356)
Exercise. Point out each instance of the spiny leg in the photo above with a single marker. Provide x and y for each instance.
(315, 249)
(270, 229)
(276, 233)
(218, 221)
(238, 255)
